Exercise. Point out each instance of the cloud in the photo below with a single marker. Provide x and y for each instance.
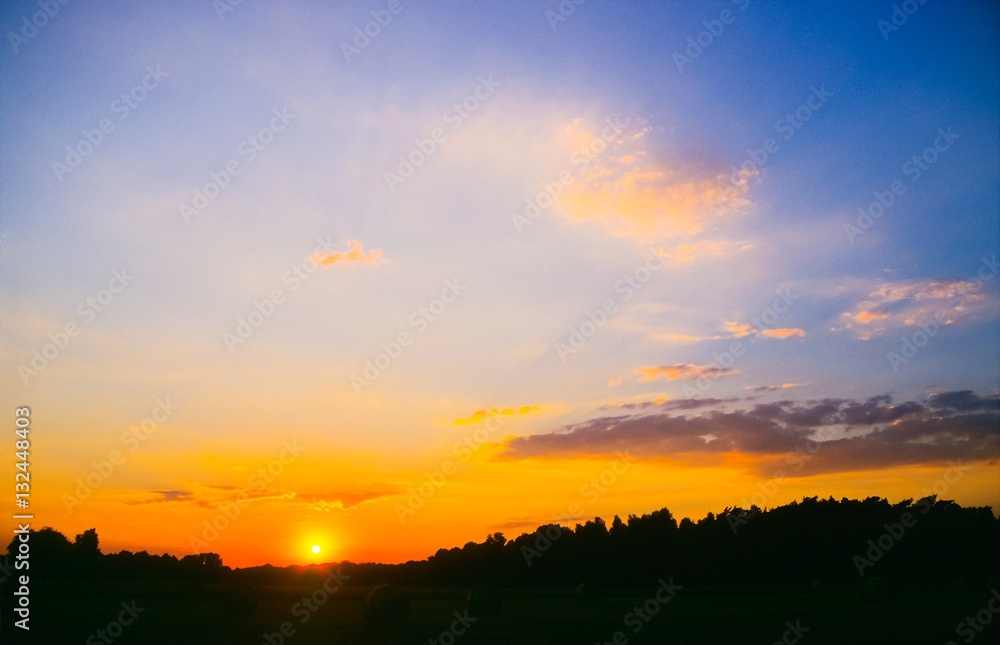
(161, 496)
(704, 249)
(682, 371)
(963, 401)
(738, 330)
(772, 388)
(783, 332)
(614, 382)
(206, 499)
(836, 435)
(682, 338)
(207, 495)
(478, 416)
(354, 255)
(733, 329)
(634, 193)
(668, 404)
(907, 304)
(340, 500)
(637, 405)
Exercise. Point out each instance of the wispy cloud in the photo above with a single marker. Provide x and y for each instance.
(702, 250)
(772, 388)
(666, 403)
(681, 338)
(162, 496)
(205, 496)
(340, 500)
(682, 371)
(636, 193)
(907, 304)
(738, 330)
(354, 255)
(783, 332)
(732, 329)
(478, 416)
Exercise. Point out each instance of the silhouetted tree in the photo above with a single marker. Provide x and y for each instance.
(813, 541)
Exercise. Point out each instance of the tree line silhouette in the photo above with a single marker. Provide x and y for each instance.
(814, 541)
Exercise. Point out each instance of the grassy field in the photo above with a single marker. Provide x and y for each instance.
(185, 617)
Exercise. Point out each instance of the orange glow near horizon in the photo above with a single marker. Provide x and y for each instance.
(484, 496)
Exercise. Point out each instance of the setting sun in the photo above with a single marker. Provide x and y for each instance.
(315, 548)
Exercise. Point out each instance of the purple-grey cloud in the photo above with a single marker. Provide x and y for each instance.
(870, 434)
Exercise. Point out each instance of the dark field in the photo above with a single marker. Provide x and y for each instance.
(217, 615)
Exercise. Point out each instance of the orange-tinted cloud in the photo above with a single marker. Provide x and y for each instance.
(783, 332)
(160, 496)
(681, 338)
(734, 329)
(738, 330)
(341, 500)
(478, 416)
(865, 317)
(682, 371)
(634, 194)
(353, 255)
(905, 304)
(705, 249)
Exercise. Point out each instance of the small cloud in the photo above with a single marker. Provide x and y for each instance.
(478, 416)
(865, 317)
(738, 330)
(637, 404)
(354, 255)
(704, 249)
(681, 338)
(772, 388)
(614, 382)
(732, 329)
(682, 371)
(341, 500)
(668, 404)
(161, 496)
(782, 333)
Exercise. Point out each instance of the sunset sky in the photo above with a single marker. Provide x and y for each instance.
(489, 265)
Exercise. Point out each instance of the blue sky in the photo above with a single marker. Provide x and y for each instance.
(547, 89)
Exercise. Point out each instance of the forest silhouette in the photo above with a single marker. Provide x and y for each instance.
(902, 572)
(814, 541)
